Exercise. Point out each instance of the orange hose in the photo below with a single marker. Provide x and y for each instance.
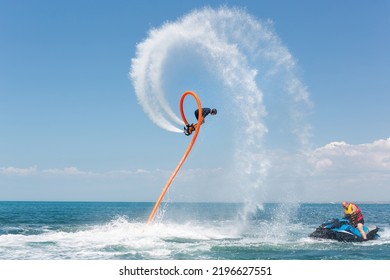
(153, 213)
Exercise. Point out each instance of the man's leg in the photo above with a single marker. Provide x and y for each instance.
(361, 230)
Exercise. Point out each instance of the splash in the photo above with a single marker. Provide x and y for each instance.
(249, 64)
(119, 238)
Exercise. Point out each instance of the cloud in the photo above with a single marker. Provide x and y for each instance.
(72, 171)
(341, 171)
(18, 171)
(129, 172)
(341, 156)
(69, 171)
(334, 172)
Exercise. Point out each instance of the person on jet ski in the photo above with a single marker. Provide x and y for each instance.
(354, 215)
(189, 128)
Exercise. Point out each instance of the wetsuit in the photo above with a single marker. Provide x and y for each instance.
(205, 112)
(188, 129)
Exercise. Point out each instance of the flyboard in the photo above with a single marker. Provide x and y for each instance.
(165, 189)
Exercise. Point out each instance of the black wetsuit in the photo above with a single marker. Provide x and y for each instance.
(205, 112)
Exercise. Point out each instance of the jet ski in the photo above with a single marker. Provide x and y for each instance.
(343, 230)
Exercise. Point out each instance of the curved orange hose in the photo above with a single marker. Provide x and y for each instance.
(153, 213)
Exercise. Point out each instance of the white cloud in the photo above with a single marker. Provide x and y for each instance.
(74, 171)
(18, 171)
(128, 172)
(341, 171)
(71, 171)
(340, 156)
(334, 172)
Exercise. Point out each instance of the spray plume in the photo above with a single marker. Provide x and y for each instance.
(243, 54)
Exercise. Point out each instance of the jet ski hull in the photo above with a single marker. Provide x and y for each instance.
(342, 230)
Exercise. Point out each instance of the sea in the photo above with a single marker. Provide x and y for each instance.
(181, 231)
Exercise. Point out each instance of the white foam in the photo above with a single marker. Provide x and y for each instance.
(125, 239)
(118, 237)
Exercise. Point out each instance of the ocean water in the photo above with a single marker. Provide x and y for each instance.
(180, 231)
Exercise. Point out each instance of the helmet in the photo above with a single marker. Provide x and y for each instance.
(213, 111)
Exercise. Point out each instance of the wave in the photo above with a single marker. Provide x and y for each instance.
(116, 238)
(122, 238)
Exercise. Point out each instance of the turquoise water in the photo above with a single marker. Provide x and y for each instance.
(182, 231)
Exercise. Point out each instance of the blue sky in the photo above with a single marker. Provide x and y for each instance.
(72, 128)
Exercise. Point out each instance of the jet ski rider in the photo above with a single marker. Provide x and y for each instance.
(354, 215)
